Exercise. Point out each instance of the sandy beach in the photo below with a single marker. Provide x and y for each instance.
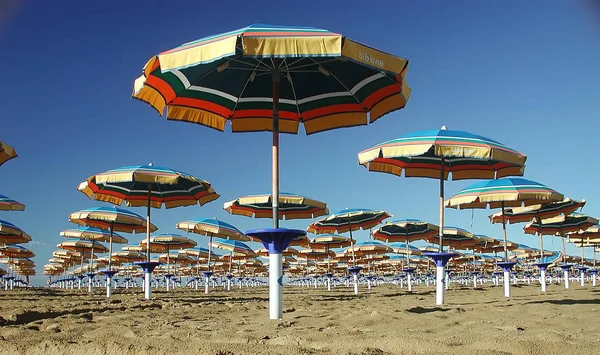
(383, 320)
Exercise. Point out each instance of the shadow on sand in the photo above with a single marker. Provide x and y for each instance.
(421, 310)
(566, 301)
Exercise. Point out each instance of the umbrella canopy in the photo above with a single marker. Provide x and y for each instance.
(484, 243)
(327, 241)
(403, 248)
(198, 252)
(230, 76)
(16, 251)
(537, 211)
(505, 192)
(82, 245)
(372, 247)
(291, 206)
(212, 227)
(289, 251)
(6, 153)
(128, 256)
(462, 154)
(405, 230)
(8, 204)
(96, 234)
(142, 184)
(456, 238)
(119, 219)
(11, 234)
(168, 241)
(233, 246)
(349, 219)
(561, 225)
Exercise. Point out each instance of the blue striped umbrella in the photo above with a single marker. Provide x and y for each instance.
(212, 227)
(8, 204)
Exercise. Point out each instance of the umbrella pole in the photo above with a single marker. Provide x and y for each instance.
(275, 72)
(168, 279)
(504, 234)
(209, 252)
(90, 268)
(110, 247)
(539, 219)
(407, 251)
(148, 225)
(351, 245)
(442, 176)
(147, 272)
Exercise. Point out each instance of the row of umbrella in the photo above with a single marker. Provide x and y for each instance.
(272, 78)
(15, 256)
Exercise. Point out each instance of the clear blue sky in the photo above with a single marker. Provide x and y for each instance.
(522, 72)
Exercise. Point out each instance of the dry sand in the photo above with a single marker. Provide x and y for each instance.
(384, 320)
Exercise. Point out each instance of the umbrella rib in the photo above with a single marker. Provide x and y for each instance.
(345, 87)
(243, 89)
(199, 79)
(289, 76)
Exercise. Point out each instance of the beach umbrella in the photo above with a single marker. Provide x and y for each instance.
(11, 234)
(328, 241)
(538, 212)
(349, 220)
(149, 186)
(502, 193)
(454, 237)
(439, 154)
(291, 206)
(406, 230)
(113, 219)
(211, 227)
(561, 226)
(272, 78)
(6, 153)
(233, 246)
(289, 251)
(165, 242)
(8, 204)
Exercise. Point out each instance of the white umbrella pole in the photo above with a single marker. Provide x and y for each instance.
(275, 286)
(439, 285)
(543, 279)
(208, 264)
(506, 283)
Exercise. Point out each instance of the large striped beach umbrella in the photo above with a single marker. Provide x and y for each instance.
(272, 78)
(501, 193)
(149, 186)
(8, 204)
(6, 153)
(439, 154)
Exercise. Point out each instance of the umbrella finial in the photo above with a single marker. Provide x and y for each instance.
(444, 128)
